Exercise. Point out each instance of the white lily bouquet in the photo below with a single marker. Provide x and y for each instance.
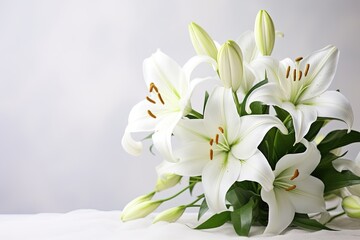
(255, 146)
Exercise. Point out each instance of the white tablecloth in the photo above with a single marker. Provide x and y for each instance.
(100, 225)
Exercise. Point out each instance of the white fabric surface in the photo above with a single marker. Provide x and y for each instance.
(100, 225)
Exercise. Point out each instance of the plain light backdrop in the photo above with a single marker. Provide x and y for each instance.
(70, 71)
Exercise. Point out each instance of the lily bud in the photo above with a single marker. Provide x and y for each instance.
(170, 215)
(230, 64)
(264, 33)
(202, 42)
(351, 205)
(140, 210)
(166, 181)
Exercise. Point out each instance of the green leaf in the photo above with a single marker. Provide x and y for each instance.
(206, 98)
(314, 129)
(243, 104)
(333, 179)
(338, 138)
(240, 194)
(303, 221)
(242, 219)
(203, 209)
(327, 159)
(215, 221)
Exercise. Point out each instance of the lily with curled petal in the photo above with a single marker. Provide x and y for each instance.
(167, 102)
(300, 88)
(353, 166)
(222, 148)
(294, 189)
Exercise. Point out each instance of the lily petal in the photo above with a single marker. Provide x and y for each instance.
(346, 164)
(165, 73)
(308, 196)
(162, 136)
(333, 104)
(220, 112)
(268, 94)
(322, 70)
(305, 162)
(130, 145)
(257, 169)
(192, 158)
(303, 116)
(218, 176)
(281, 211)
(253, 128)
(248, 46)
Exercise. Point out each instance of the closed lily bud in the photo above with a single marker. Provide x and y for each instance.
(264, 33)
(137, 201)
(166, 181)
(170, 215)
(140, 210)
(230, 64)
(202, 42)
(351, 205)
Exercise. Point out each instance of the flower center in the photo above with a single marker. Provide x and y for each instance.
(219, 143)
(155, 91)
(287, 185)
(296, 75)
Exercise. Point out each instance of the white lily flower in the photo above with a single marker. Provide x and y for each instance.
(299, 87)
(222, 148)
(295, 190)
(167, 102)
(353, 166)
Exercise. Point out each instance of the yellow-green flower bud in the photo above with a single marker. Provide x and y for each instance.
(140, 210)
(202, 42)
(351, 205)
(170, 215)
(166, 181)
(230, 64)
(264, 33)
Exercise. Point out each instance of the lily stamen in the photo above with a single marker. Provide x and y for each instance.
(307, 69)
(298, 59)
(296, 174)
(151, 114)
(221, 129)
(290, 188)
(150, 100)
(217, 139)
(160, 98)
(211, 141)
(211, 154)
(287, 72)
(300, 75)
(153, 87)
(294, 75)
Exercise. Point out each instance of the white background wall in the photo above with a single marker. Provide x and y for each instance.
(70, 71)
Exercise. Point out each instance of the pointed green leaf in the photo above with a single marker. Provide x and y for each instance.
(203, 209)
(314, 129)
(338, 138)
(334, 180)
(242, 219)
(303, 221)
(215, 221)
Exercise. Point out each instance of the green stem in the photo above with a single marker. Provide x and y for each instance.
(192, 204)
(237, 103)
(177, 194)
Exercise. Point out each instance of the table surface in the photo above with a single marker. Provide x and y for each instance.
(101, 225)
